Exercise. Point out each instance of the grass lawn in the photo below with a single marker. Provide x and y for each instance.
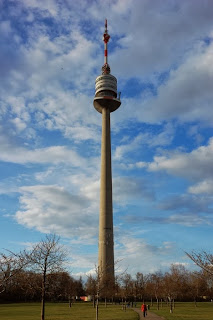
(61, 311)
(186, 311)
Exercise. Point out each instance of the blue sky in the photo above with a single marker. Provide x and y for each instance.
(162, 135)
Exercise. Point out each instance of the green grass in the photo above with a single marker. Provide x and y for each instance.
(186, 311)
(61, 311)
(85, 311)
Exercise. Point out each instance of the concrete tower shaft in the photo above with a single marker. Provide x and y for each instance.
(105, 102)
(106, 242)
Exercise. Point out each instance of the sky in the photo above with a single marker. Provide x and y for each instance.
(161, 52)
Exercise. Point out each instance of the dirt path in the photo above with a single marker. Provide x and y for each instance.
(150, 315)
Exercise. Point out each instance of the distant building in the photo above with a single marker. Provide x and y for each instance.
(86, 298)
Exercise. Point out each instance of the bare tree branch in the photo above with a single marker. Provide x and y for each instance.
(203, 260)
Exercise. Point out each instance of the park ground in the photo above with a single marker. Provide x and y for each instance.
(85, 311)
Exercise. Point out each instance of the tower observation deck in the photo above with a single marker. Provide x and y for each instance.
(106, 83)
(105, 102)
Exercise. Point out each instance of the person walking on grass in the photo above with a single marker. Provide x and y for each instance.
(144, 309)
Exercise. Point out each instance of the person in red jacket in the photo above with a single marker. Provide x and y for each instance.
(144, 309)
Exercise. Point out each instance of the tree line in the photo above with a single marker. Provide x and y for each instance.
(39, 275)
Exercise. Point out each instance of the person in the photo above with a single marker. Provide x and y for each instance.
(144, 309)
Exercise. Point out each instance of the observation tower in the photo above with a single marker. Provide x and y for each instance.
(105, 102)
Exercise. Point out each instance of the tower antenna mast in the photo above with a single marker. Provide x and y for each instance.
(106, 38)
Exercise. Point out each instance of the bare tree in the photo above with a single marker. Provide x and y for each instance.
(197, 284)
(91, 288)
(105, 287)
(139, 286)
(202, 259)
(175, 283)
(170, 288)
(10, 265)
(127, 288)
(156, 286)
(47, 257)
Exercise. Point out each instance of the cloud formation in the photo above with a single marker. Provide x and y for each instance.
(53, 209)
(188, 91)
(196, 166)
(133, 252)
(54, 154)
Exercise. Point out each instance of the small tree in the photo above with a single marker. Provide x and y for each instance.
(91, 288)
(47, 257)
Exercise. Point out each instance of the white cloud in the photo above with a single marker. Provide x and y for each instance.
(55, 154)
(156, 35)
(205, 186)
(193, 132)
(58, 72)
(20, 125)
(129, 189)
(189, 220)
(60, 61)
(135, 255)
(50, 208)
(79, 133)
(139, 165)
(184, 214)
(90, 188)
(48, 7)
(187, 95)
(186, 203)
(49, 83)
(164, 138)
(125, 189)
(83, 262)
(195, 165)
(126, 148)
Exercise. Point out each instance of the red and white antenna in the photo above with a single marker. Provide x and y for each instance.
(106, 37)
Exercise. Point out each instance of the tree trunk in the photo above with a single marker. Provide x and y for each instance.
(97, 309)
(70, 302)
(171, 309)
(157, 304)
(43, 300)
(43, 293)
